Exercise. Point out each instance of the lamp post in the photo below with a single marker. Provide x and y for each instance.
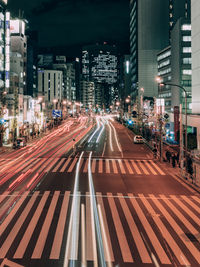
(176, 85)
(128, 103)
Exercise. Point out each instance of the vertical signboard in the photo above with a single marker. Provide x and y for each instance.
(176, 122)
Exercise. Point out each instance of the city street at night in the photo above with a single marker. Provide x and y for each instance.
(100, 133)
(108, 203)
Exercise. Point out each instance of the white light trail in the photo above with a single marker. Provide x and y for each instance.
(73, 231)
(95, 219)
(110, 137)
(98, 127)
(83, 240)
(99, 136)
(115, 134)
(107, 251)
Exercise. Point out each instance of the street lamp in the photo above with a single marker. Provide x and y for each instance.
(176, 85)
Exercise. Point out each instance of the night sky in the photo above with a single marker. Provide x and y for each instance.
(66, 25)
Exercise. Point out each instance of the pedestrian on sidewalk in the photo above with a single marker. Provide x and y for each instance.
(177, 159)
(168, 156)
(173, 160)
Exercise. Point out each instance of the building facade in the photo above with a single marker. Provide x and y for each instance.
(100, 65)
(174, 67)
(50, 88)
(19, 45)
(149, 33)
(195, 56)
(87, 94)
(4, 51)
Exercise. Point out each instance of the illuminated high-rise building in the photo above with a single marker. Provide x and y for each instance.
(19, 45)
(4, 47)
(100, 65)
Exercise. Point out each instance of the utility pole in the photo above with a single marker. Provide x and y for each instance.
(181, 141)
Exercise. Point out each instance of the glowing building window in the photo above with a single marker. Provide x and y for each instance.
(187, 50)
(187, 38)
(187, 72)
(186, 27)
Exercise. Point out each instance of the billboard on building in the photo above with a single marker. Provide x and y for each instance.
(17, 26)
(160, 105)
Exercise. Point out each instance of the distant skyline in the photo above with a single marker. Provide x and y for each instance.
(67, 25)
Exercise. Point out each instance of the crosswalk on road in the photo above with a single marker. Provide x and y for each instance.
(112, 166)
(143, 225)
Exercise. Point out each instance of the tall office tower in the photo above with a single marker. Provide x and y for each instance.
(71, 81)
(149, 27)
(4, 50)
(77, 65)
(32, 51)
(19, 45)
(87, 94)
(195, 57)
(174, 66)
(178, 9)
(50, 87)
(100, 64)
(124, 77)
(60, 64)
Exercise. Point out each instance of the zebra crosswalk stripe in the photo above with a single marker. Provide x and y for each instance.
(181, 217)
(158, 168)
(100, 166)
(114, 166)
(45, 228)
(59, 164)
(86, 166)
(121, 166)
(10, 238)
(149, 230)
(142, 166)
(13, 212)
(150, 168)
(107, 166)
(194, 206)
(170, 208)
(135, 167)
(31, 227)
(89, 248)
(128, 166)
(110, 252)
(93, 165)
(65, 165)
(72, 165)
(56, 247)
(134, 230)
(193, 250)
(123, 243)
(192, 215)
(165, 233)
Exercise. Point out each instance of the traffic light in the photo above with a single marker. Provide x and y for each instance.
(130, 122)
(134, 113)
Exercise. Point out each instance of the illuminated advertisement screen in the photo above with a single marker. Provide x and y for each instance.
(14, 26)
(4, 1)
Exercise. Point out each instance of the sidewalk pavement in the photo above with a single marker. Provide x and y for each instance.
(176, 171)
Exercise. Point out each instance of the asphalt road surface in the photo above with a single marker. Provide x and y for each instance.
(86, 195)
